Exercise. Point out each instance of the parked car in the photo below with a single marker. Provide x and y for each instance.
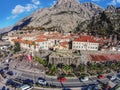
(96, 87)
(6, 68)
(92, 87)
(1, 71)
(101, 76)
(42, 81)
(89, 88)
(83, 79)
(61, 79)
(3, 75)
(3, 88)
(13, 83)
(28, 82)
(25, 87)
(66, 89)
(112, 77)
(10, 73)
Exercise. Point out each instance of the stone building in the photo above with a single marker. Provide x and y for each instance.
(65, 57)
(85, 42)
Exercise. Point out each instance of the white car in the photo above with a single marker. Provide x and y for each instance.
(83, 79)
(42, 81)
(25, 87)
(112, 77)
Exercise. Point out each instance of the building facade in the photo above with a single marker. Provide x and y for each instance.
(85, 43)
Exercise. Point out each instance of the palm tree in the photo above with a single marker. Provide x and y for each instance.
(81, 68)
(67, 69)
(92, 68)
(33, 43)
(17, 47)
(53, 69)
(102, 69)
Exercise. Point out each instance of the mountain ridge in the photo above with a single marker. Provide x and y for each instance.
(66, 16)
(63, 16)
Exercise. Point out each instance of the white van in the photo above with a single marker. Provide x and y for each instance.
(25, 87)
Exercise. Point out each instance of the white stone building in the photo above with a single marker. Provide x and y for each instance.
(85, 43)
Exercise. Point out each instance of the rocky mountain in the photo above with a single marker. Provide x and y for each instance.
(5, 30)
(95, 9)
(105, 23)
(63, 16)
(71, 15)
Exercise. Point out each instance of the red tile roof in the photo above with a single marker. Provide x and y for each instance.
(86, 38)
(40, 40)
(110, 57)
(24, 41)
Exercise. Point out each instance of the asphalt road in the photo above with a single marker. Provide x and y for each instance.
(54, 81)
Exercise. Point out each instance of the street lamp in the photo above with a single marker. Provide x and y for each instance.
(34, 79)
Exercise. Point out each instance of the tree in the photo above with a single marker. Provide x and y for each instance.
(53, 69)
(81, 68)
(41, 61)
(92, 68)
(17, 47)
(67, 68)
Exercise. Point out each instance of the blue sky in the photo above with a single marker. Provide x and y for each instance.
(12, 11)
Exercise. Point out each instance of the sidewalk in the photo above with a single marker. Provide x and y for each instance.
(65, 77)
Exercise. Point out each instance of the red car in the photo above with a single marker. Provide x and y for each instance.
(101, 76)
(107, 87)
(61, 79)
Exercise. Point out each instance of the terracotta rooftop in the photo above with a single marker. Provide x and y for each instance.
(40, 40)
(24, 41)
(109, 57)
(86, 38)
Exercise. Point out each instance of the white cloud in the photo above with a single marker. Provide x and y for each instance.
(21, 9)
(114, 2)
(12, 17)
(29, 7)
(118, 1)
(36, 2)
(53, 3)
(18, 9)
